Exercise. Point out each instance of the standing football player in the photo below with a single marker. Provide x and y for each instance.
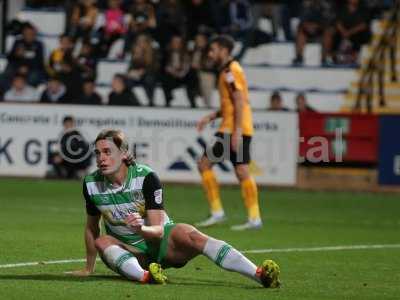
(233, 136)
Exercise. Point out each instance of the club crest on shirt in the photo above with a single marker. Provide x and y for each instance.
(229, 77)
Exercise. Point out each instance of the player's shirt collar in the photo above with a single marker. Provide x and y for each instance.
(126, 182)
(226, 65)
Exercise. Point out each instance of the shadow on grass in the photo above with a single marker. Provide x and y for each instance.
(174, 281)
(190, 281)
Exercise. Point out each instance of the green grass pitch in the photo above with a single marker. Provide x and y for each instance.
(43, 221)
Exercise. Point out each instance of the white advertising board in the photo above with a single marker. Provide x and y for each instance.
(165, 139)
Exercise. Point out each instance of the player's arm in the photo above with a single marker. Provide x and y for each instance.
(92, 232)
(154, 206)
(235, 91)
(155, 228)
(238, 110)
(207, 119)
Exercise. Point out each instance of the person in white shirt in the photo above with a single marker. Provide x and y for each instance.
(21, 91)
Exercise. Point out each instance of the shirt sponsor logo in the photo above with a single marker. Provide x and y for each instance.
(137, 195)
(158, 196)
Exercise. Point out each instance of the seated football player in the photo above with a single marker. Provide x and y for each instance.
(140, 238)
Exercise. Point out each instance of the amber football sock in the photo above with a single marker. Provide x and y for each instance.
(250, 197)
(211, 188)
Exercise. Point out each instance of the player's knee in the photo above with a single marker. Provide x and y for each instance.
(187, 237)
(103, 242)
(203, 164)
(197, 240)
(242, 172)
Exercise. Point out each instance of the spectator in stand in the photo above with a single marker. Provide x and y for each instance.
(199, 17)
(142, 20)
(237, 20)
(376, 8)
(267, 8)
(276, 102)
(203, 68)
(20, 91)
(240, 18)
(89, 95)
(302, 105)
(120, 94)
(26, 56)
(171, 21)
(71, 77)
(290, 9)
(143, 66)
(73, 158)
(177, 72)
(114, 27)
(315, 18)
(87, 60)
(55, 91)
(44, 3)
(102, 5)
(343, 42)
(280, 12)
(83, 19)
(114, 18)
(64, 50)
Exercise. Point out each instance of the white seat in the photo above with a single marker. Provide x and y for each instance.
(46, 22)
(300, 78)
(321, 101)
(107, 69)
(282, 54)
(3, 63)
(103, 92)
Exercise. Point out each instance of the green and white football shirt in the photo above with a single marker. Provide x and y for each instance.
(140, 192)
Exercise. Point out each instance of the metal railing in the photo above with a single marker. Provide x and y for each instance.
(385, 48)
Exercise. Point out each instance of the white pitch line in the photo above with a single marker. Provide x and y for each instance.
(39, 263)
(328, 248)
(310, 249)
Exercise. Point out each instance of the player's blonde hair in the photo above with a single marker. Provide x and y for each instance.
(120, 140)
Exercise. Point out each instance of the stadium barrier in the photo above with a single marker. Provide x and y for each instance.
(167, 140)
(389, 150)
(349, 138)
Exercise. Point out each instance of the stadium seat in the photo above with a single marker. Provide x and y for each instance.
(46, 21)
(106, 69)
(3, 63)
(323, 101)
(300, 78)
(282, 54)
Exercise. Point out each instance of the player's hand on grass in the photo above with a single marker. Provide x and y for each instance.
(80, 273)
(135, 221)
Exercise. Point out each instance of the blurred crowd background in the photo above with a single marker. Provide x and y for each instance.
(165, 43)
